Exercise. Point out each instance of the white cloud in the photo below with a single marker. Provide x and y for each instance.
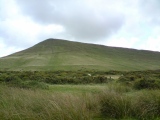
(122, 42)
(127, 23)
(6, 50)
(22, 31)
(80, 19)
(151, 44)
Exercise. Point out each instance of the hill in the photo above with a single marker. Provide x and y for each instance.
(55, 54)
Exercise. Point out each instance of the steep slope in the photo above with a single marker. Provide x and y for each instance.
(55, 54)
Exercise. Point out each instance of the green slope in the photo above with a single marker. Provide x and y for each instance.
(54, 54)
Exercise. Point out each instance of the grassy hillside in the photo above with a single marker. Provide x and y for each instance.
(54, 54)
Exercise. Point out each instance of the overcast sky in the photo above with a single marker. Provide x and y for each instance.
(121, 23)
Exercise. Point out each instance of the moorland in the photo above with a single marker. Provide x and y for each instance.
(63, 80)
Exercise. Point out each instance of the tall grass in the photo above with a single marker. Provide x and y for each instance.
(114, 102)
(39, 105)
(142, 105)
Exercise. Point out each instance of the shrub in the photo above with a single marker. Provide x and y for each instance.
(147, 83)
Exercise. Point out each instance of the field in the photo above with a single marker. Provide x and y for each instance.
(122, 95)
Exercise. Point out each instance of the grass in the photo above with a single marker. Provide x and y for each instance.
(66, 55)
(32, 105)
(79, 102)
(95, 88)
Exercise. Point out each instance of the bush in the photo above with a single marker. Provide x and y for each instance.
(147, 83)
(17, 82)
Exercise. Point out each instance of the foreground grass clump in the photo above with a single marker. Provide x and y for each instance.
(17, 104)
(114, 105)
(75, 104)
(143, 105)
(146, 105)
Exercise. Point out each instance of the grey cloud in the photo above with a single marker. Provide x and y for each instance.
(77, 17)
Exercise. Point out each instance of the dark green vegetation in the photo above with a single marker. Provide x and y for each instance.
(142, 80)
(135, 79)
(68, 95)
(53, 54)
(26, 79)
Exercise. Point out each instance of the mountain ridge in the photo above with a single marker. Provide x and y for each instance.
(58, 54)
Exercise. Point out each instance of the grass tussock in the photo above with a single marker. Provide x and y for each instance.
(17, 104)
(144, 105)
(112, 102)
